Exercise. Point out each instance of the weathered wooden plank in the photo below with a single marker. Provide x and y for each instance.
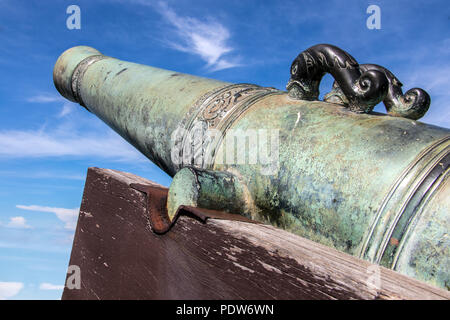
(121, 258)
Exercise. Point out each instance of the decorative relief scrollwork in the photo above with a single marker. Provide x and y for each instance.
(218, 106)
(358, 87)
(206, 123)
(228, 101)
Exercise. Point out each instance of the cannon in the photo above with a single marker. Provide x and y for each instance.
(372, 185)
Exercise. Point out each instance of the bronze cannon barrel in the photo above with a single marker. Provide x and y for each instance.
(369, 184)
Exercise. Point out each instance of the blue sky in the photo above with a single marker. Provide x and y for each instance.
(47, 143)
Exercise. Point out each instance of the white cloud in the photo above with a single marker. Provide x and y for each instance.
(67, 106)
(49, 286)
(32, 174)
(208, 39)
(18, 222)
(45, 98)
(68, 216)
(29, 144)
(9, 289)
(435, 80)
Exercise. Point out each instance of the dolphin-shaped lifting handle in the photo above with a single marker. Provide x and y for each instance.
(358, 87)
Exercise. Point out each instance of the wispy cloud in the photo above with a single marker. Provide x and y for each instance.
(45, 98)
(435, 80)
(49, 286)
(208, 39)
(18, 222)
(68, 216)
(67, 106)
(9, 289)
(30, 144)
(32, 174)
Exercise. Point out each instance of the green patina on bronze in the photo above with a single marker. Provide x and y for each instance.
(372, 185)
(218, 190)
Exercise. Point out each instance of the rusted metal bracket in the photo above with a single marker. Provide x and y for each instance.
(157, 210)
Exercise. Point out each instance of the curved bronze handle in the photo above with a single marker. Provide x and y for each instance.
(362, 89)
(412, 105)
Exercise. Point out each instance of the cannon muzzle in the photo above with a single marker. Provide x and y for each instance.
(373, 185)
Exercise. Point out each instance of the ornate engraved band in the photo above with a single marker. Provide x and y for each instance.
(403, 204)
(206, 123)
(78, 74)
